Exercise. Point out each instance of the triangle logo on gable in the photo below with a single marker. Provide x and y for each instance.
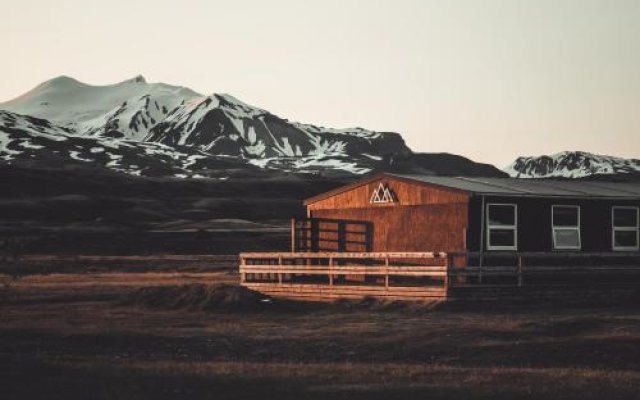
(382, 194)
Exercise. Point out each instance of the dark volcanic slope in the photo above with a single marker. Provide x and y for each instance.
(81, 209)
(439, 164)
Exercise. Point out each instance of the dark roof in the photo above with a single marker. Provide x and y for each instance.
(508, 187)
(532, 187)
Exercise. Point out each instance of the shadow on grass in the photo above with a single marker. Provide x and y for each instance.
(36, 379)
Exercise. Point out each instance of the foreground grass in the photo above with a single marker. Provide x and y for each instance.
(70, 336)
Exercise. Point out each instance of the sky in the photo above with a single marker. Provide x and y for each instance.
(490, 80)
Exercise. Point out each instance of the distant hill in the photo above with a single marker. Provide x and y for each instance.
(573, 164)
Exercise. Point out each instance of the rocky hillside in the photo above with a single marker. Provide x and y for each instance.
(572, 164)
(164, 119)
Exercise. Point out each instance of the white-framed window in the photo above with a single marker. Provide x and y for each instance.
(624, 222)
(502, 226)
(565, 227)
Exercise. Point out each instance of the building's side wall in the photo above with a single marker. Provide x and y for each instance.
(422, 219)
(534, 222)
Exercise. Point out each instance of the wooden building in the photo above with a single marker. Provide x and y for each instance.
(461, 224)
(456, 214)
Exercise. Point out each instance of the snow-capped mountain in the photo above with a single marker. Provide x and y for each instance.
(25, 139)
(135, 111)
(222, 124)
(571, 164)
(127, 109)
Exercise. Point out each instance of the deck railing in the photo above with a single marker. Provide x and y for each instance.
(534, 268)
(328, 275)
(426, 275)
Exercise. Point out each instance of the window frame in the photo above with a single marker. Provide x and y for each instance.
(490, 227)
(615, 229)
(576, 228)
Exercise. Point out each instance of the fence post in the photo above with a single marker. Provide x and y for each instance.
(386, 272)
(446, 273)
(519, 271)
(280, 265)
(243, 278)
(294, 233)
(330, 271)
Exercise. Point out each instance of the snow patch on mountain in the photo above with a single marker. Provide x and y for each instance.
(571, 164)
(357, 132)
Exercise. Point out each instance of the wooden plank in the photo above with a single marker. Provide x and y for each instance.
(337, 296)
(326, 271)
(345, 255)
(346, 268)
(317, 286)
(343, 288)
(334, 297)
(345, 291)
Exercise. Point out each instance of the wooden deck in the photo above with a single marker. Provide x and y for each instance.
(421, 276)
(329, 275)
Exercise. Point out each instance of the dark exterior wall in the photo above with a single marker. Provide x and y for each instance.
(425, 218)
(534, 222)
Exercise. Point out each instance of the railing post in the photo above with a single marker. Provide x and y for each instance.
(243, 278)
(330, 271)
(280, 273)
(446, 273)
(519, 271)
(386, 272)
(294, 233)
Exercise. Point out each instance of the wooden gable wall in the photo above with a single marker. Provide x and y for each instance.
(424, 217)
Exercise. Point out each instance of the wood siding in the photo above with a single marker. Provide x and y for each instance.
(424, 217)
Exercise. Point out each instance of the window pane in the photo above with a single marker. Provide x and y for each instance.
(565, 216)
(625, 238)
(502, 214)
(566, 238)
(625, 217)
(502, 238)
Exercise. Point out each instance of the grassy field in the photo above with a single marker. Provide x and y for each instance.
(67, 334)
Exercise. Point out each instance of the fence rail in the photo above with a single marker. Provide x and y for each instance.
(332, 275)
(426, 275)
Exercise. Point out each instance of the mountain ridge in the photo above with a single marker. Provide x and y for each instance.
(218, 125)
(571, 164)
(174, 130)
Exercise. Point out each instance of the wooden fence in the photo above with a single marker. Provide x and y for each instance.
(333, 275)
(427, 275)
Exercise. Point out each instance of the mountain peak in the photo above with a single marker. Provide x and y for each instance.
(61, 81)
(232, 103)
(136, 79)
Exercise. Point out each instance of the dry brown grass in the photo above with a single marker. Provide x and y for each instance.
(71, 336)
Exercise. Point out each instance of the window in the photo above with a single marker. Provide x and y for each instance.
(502, 227)
(565, 227)
(625, 228)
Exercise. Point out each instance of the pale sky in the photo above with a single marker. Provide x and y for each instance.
(488, 79)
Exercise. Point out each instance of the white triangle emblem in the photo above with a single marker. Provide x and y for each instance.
(382, 194)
